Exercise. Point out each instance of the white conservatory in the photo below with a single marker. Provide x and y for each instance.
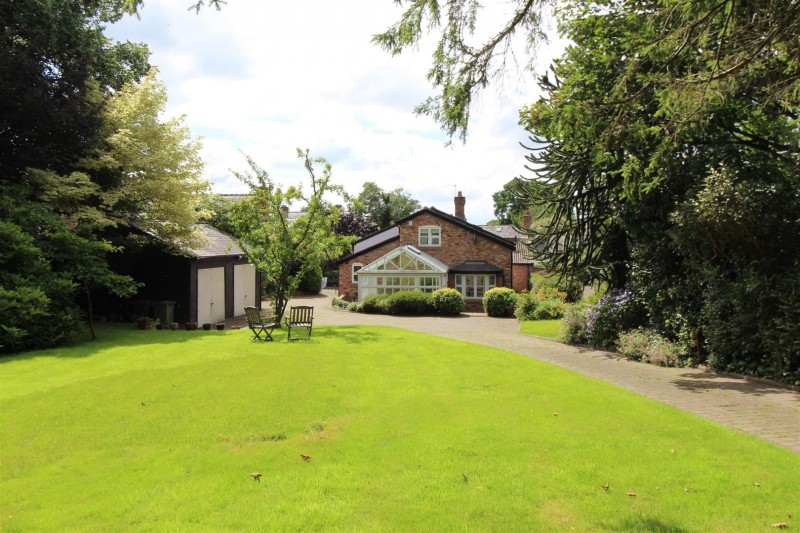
(403, 269)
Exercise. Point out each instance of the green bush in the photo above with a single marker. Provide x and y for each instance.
(550, 288)
(646, 345)
(338, 303)
(573, 325)
(375, 304)
(539, 307)
(500, 302)
(409, 303)
(312, 280)
(616, 312)
(526, 306)
(550, 309)
(447, 301)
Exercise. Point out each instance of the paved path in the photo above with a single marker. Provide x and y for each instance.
(768, 411)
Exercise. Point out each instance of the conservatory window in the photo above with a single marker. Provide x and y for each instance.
(430, 236)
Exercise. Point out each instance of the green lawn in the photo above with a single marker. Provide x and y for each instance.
(158, 431)
(541, 328)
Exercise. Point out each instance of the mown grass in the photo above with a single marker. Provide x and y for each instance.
(158, 431)
(541, 328)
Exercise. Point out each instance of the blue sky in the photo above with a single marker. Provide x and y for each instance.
(264, 78)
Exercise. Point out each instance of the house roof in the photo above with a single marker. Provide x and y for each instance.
(475, 267)
(506, 231)
(392, 233)
(218, 244)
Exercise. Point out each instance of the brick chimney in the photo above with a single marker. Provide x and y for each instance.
(460, 201)
(526, 220)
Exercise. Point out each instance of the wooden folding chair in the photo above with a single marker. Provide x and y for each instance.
(300, 316)
(260, 323)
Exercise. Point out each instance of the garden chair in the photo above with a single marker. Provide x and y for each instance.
(300, 316)
(260, 323)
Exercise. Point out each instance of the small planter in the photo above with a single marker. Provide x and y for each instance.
(220, 327)
(144, 323)
(173, 326)
(191, 326)
(207, 326)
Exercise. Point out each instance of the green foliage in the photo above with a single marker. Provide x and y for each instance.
(616, 312)
(312, 280)
(573, 325)
(409, 303)
(500, 302)
(447, 301)
(382, 208)
(338, 303)
(648, 346)
(375, 304)
(283, 251)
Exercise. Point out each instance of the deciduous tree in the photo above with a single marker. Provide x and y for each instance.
(285, 250)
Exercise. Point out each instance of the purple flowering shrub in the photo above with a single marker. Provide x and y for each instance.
(616, 312)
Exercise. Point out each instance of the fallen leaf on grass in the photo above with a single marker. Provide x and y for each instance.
(780, 525)
(632, 494)
(305, 457)
(256, 476)
(466, 479)
(605, 486)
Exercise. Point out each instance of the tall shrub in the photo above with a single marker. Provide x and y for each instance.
(447, 301)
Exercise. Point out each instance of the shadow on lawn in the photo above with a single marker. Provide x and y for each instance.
(645, 524)
(348, 334)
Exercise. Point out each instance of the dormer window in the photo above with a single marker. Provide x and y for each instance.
(430, 236)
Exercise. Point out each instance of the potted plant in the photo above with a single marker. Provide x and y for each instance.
(173, 326)
(221, 326)
(207, 326)
(144, 322)
(191, 326)
(157, 323)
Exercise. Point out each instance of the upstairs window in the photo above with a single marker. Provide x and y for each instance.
(356, 268)
(430, 236)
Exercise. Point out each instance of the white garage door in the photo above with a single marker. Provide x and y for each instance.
(244, 288)
(210, 295)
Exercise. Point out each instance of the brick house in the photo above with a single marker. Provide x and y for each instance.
(427, 250)
(522, 264)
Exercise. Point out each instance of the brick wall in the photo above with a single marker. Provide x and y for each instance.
(457, 245)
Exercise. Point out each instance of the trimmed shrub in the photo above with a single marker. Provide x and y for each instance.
(500, 302)
(573, 325)
(447, 302)
(409, 303)
(375, 304)
(355, 307)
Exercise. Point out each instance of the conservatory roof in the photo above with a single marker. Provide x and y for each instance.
(405, 259)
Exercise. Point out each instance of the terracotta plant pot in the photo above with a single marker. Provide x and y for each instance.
(144, 323)
(173, 326)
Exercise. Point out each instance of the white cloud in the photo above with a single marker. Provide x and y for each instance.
(265, 78)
